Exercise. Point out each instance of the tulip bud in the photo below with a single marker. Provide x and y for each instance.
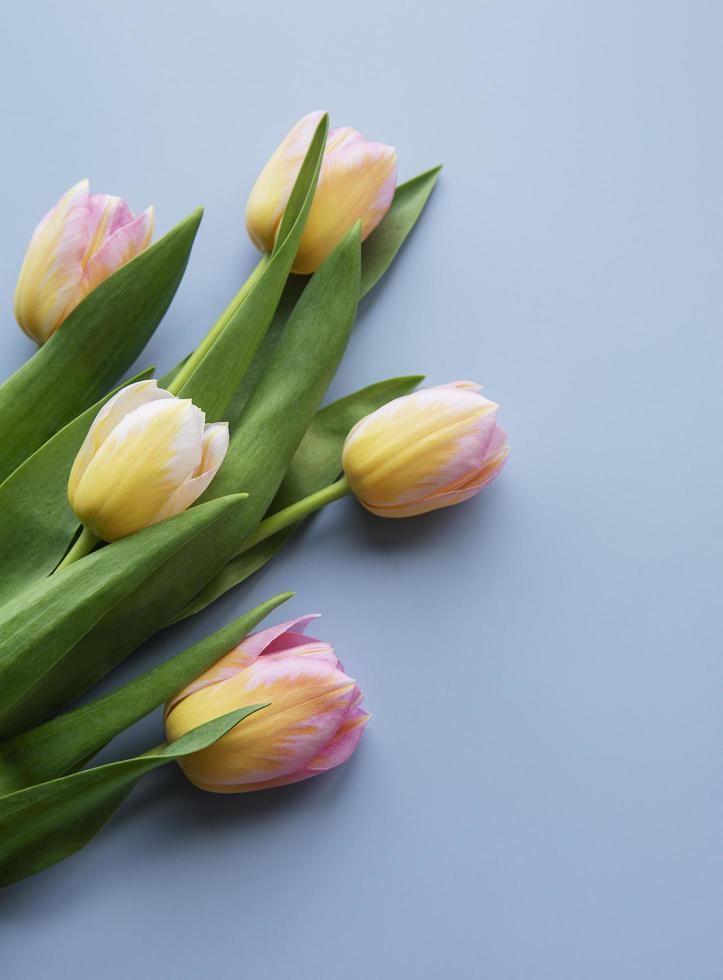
(356, 183)
(77, 245)
(314, 720)
(430, 449)
(147, 456)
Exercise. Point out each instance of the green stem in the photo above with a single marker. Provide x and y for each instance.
(296, 512)
(187, 369)
(84, 544)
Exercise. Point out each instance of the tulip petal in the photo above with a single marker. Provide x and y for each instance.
(141, 462)
(357, 183)
(344, 743)
(491, 467)
(115, 251)
(115, 409)
(270, 194)
(53, 265)
(338, 751)
(106, 215)
(213, 451)
(270, 640)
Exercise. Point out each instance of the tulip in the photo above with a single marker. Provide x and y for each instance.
(313, 722)
(147, 456)
(78, 244)
(430, 449)
(356, 183)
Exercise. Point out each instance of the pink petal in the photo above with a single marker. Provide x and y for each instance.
(118, 249)
(107, 214)
(268, 640)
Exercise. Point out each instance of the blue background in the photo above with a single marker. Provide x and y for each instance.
(539, 793)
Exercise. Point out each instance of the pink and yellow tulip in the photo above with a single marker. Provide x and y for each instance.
(313, 723)
(430, 449)
(147, 456)
(356, 183)
(78, 244)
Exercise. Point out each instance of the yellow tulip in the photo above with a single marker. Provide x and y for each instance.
(356, 183)
(313, 723)
(147, 456)
(78, 244)
(430, 449)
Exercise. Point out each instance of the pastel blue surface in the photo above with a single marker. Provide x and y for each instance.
(538, 794)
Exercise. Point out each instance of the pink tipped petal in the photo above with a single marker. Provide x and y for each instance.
(115, 251)
(344, 742)
(339, 750)
(270, 640)
(357, 183)
(311, 648)
(107, 214)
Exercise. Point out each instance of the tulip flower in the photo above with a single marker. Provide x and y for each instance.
(430, 449)
(78, 244)
(356, 183)
(313, 722)
(417, 453)
(147, 456)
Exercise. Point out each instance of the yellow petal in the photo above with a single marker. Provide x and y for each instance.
(53, 265)
(138, 466)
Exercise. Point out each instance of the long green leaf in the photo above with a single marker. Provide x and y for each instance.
(47, 822)
(385, 241)
(36, 520)
(316, 464)
(219, 373)
(42, 629)
(288, 395)
(100, 340)
(68, 740)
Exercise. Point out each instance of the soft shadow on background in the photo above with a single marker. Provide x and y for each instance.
(538, 794)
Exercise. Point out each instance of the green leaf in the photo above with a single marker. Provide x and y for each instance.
(67, 741)
(213, 382)
(316, 464)
(100, 340)
(48, 822)
(385, 241)
(378, 253)
(36, 520)
(288, 395)
(45, 658)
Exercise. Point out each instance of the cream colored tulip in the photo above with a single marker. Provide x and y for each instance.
(356, 183)
(431, 449)
(147, 456)
(77, 245)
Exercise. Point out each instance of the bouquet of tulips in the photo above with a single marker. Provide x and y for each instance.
(124, 511)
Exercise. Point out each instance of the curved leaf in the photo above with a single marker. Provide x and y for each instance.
(45, 823)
